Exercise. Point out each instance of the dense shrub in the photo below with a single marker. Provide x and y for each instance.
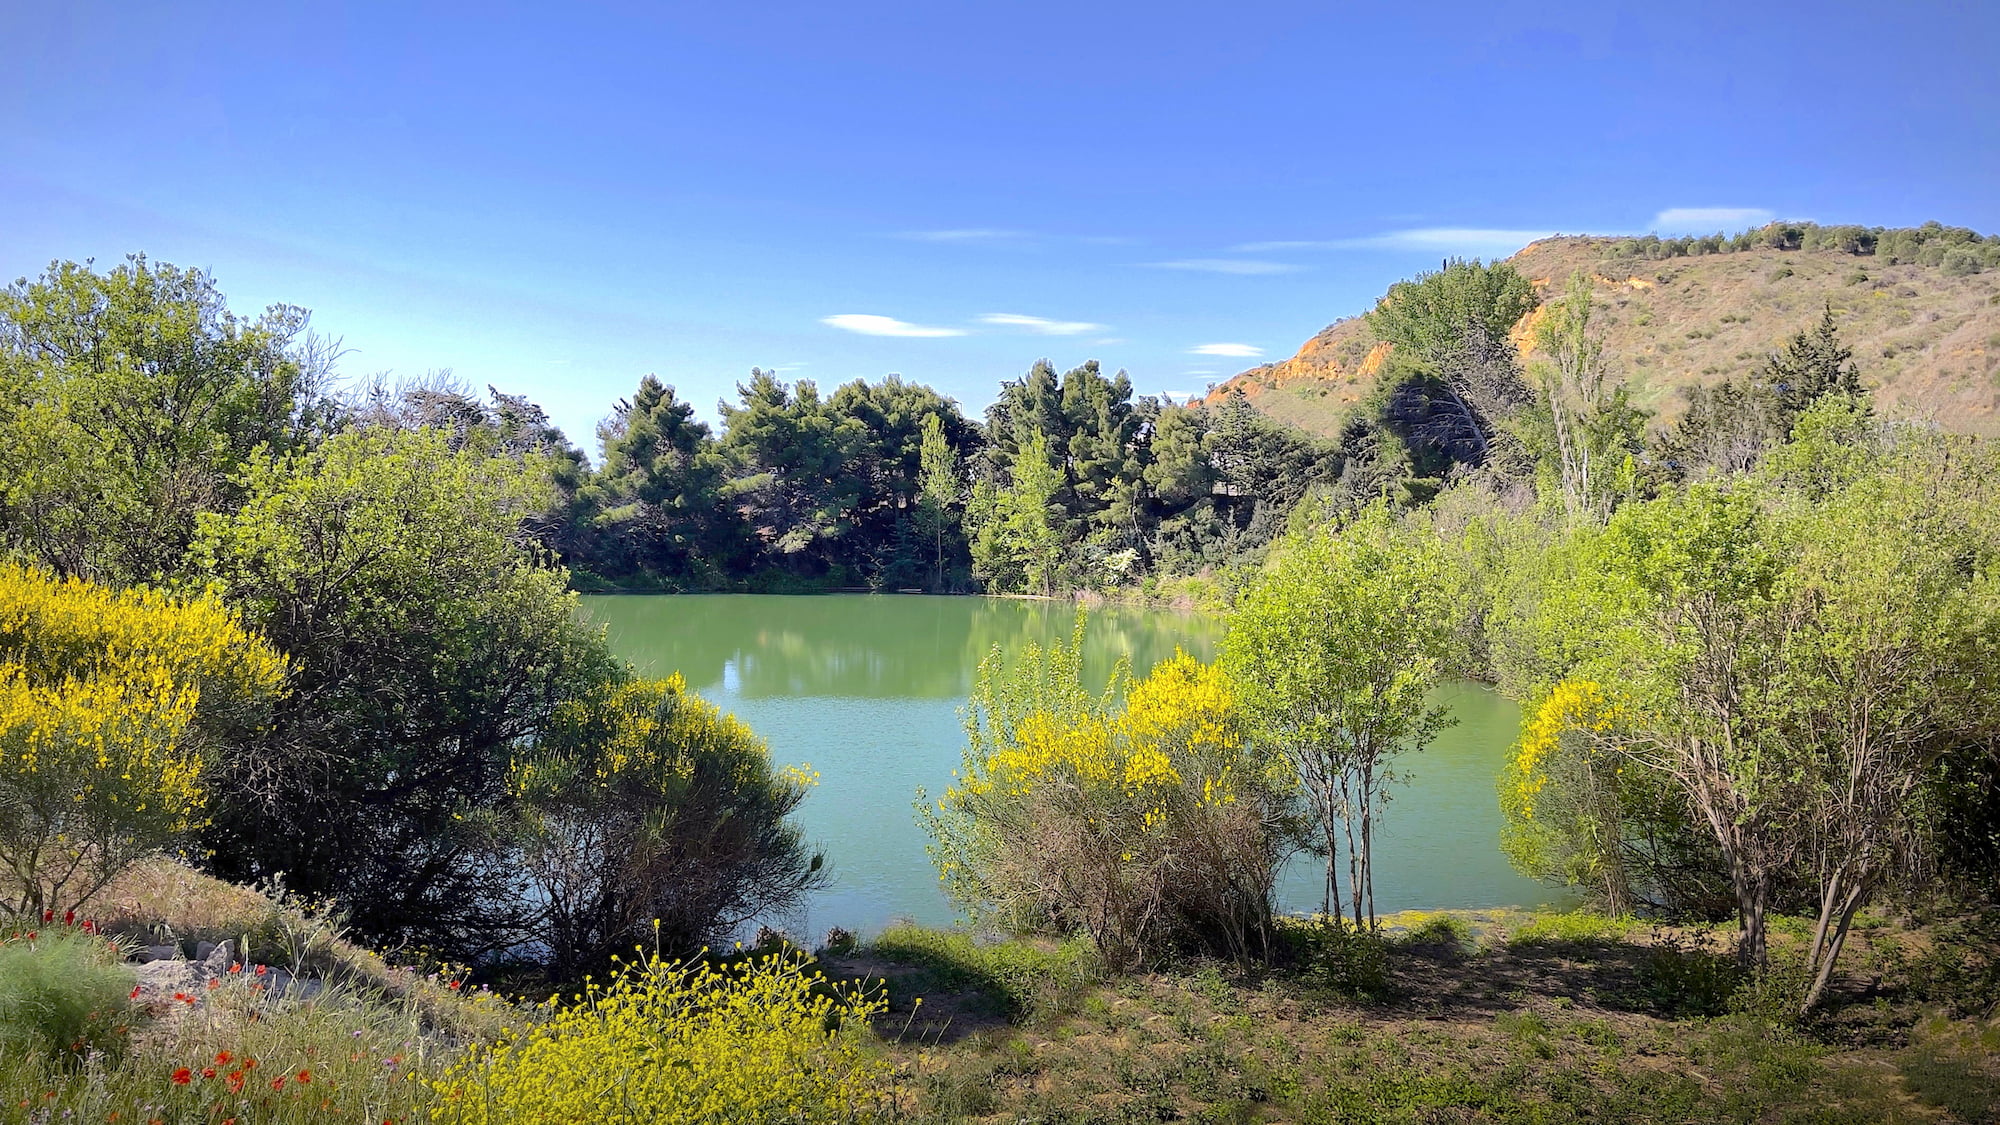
(648, 812)
(429, 647)
(63, 994)
(765, 1041)
(1148, 823)
(114, 711)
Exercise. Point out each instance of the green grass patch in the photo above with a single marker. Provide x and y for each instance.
(1025, 978)
(1579, 927)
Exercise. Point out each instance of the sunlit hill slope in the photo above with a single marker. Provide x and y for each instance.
(1926, 337)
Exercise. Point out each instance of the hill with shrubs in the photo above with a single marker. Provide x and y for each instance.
(1920, 307)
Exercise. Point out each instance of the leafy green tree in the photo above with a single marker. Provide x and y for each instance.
(1596, 432)
(1335, 651)
(1794, 653)
(938, 489)
(656, 508)
(428, 648)
(1016, 532)
(1455, 377)
(791, 457)
(1438, 314)
(128, 400)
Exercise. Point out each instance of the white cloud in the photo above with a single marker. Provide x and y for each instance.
(1040, 325)
(1107, 341)
(1464, 240)
(970, 234)
(1242, 266)
(1708, 220)
(867, 324)
(1230, 351)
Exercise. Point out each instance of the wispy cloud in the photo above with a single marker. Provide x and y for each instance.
(868, 324)
(1241, 266)
(1230, 351)
(964, 234)
(1040, 325)
(1107, 341)
(1466, 240)
(1708, 220)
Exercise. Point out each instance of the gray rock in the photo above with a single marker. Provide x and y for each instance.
(219, 959)
(167, 977)
(157, 953)
(202, 949)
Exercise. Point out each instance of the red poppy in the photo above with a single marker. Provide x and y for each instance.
(278, 1083)
(183, 1076)
(135, 991)
(214, 983)
(69, 917)
(235, 1081)
(48, 915)
(222, 1058)
(305, 1076)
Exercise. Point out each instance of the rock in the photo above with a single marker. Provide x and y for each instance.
(157, 953)
(202, 949)
(167, 977)
(219, 959)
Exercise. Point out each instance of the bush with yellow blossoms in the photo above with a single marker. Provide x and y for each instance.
(1140, 816)
(689, 1042)
(113, 706)
(649, 810)
(1580, 811)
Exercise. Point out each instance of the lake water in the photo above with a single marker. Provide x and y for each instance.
(868, 690)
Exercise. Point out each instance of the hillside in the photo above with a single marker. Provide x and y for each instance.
(1928, 341)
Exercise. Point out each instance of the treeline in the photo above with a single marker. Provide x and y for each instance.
(1069, 481)
(1959, 251)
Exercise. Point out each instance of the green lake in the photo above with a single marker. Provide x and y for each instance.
(868, 690)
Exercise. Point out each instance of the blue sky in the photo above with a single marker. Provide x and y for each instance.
(559, 198)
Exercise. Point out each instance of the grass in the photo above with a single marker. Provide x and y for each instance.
(1475, 1017)
(1491, 1016)
(1023, 979)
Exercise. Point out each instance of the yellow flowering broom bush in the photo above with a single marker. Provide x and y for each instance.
(647, 807)
(685, 1042)
(1580, 811)
(1146, 822)
(112, 707)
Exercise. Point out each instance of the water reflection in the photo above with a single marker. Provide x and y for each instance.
(867, 690)
(888, 647)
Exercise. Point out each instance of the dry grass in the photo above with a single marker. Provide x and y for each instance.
(1928, 342)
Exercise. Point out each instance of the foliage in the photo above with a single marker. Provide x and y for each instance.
(1334, 954)
(1569, 928)
(1147, 823)
(127, 401)
(115, 709)
(1028, 981)
(647, 809)
(1959, 967)
(427, 649)
(63, 994)
(1334, 652)
(1017, 532)
(765, 1041)
(1595, 431)
(1792, 652)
